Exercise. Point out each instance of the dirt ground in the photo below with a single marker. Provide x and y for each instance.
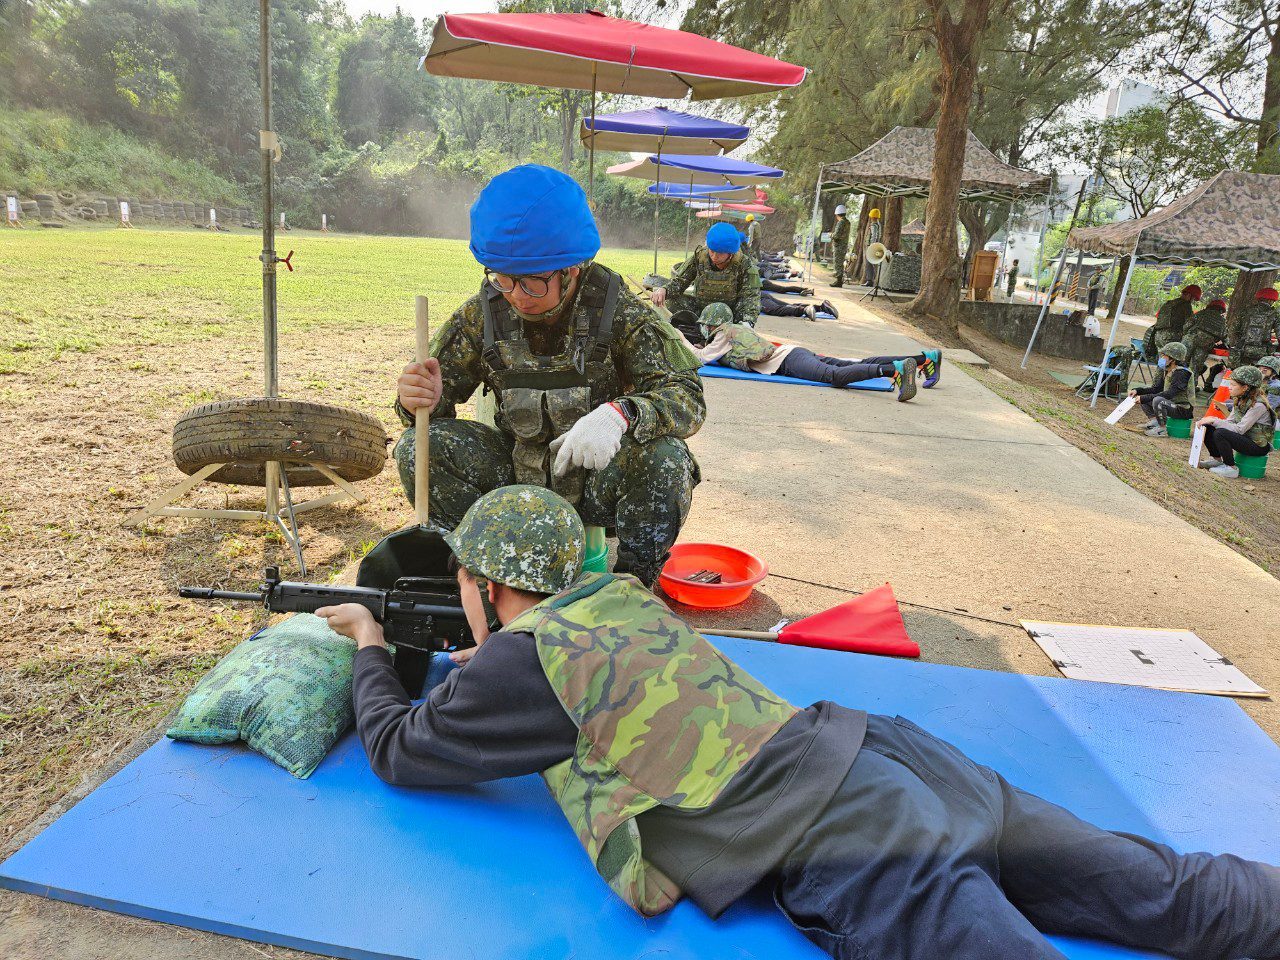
(1243, 514)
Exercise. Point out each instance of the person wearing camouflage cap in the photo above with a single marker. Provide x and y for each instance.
(683, 775)
(1270, 367)
(737, 346)
(1249, 429)
(1172, 392)
(595, 395)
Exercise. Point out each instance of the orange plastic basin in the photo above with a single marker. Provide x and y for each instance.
(739, 572)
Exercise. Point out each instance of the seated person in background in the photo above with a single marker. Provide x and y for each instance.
(683, 775)
(1204, 332)
(1270, 367)
(734, 345)
(719, 272)
(1249, 429)
(1172, 394)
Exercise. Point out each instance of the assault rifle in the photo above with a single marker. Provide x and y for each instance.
(419, 615)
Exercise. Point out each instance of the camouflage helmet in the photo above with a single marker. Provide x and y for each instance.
(1272, 363)
(523, 536)
(1249, 376)
(716, 315)
(1175, 351)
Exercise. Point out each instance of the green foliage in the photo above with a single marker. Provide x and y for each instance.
(1147, 290)
(44, 151)
(1214, 281)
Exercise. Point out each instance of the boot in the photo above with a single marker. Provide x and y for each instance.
(904, 378)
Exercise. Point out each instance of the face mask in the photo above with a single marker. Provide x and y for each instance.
(1162, 362)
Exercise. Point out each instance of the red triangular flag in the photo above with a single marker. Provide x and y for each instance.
(870, 623)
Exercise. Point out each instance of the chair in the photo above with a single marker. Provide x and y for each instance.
(1141, 359)
(1111, 387)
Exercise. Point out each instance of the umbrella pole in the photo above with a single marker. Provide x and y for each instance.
(688, 219)
(1057, 275)
(657, 193)
(591, 163)
(814, 226)
(1116, 316)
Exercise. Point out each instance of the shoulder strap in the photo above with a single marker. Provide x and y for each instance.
(497, 321)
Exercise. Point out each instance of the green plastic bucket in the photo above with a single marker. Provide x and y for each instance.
(1275, 441)
(1255, 468)
(1178, 428)
(597, 560)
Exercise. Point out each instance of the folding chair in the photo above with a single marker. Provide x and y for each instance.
(1110, 379)
(1142, 360)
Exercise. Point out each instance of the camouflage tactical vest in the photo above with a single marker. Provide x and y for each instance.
(1205, 328)
(718, 286)
(540, 398)
(1262, 432)
(1258, 322)
(663, 719)
(1187, 395)
(747, 347)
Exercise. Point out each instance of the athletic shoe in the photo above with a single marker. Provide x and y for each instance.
(810, 313)
(1157, 431)
(1153, 422)
(1227, 473)
(826, 306)
(1208, 463)
(807, 292)
(932, 368)
(904, 379)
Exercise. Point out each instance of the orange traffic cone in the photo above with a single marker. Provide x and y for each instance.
(1217, 406)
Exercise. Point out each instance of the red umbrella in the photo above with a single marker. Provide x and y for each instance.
(591, 51)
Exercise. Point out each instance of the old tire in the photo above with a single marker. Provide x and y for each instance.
(245, 434)
(66, 197)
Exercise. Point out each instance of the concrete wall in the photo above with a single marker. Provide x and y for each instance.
(1012, 323)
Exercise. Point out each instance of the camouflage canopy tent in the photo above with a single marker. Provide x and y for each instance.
(1228, 221)
(900, 164)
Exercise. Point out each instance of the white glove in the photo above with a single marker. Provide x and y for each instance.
(591, 442)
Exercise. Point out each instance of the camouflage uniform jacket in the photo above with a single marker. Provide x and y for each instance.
(1258, 324)
(745, 347)
(737, 284)
(1205, 328)
(663, 719)
(1171, 320)
(840, 235)
(651, 367)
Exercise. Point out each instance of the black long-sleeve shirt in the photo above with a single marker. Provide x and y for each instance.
(1172, 387)
(499, 717)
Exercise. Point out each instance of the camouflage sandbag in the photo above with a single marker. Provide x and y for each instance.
(286, 692)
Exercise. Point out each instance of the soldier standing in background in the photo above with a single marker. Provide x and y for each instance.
(1258, 326)
(840, 237)
(1171, 319)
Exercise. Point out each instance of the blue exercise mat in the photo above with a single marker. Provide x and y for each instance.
(714, 371)
(220, 839)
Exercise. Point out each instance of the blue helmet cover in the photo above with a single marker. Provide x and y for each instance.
(532, 219)
(723, 238)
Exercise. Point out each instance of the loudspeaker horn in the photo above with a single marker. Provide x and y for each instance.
(878, 253)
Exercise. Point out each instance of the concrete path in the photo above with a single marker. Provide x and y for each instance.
(965, 505)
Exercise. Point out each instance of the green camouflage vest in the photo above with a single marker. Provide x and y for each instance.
(718, 286)
(663, 719)
(540, 398)
(747, 347)
(1187, 395)
(1262, 432)
(1256, 326)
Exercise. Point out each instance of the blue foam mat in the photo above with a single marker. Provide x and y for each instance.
(220, 839)
(717, 372)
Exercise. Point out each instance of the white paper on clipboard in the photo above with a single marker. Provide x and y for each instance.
(1124, 407)
(1197, 442)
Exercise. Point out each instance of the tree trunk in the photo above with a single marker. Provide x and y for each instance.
(1268, 159)
(566, 132)
(958, 47)
(1247, 287)
(975, 223)
(860, 240)
(892, 237)
(1113, 304)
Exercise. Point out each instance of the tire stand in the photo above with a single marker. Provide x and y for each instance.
(276, 472)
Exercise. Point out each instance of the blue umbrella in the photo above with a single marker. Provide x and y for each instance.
(663, 130)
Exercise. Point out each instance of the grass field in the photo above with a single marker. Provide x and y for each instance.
(106, 337)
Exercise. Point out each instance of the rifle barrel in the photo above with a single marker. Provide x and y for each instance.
(207, 593)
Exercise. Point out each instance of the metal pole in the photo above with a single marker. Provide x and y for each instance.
(591, 164)
(815, 228)
(657, 198)
(1056, 276)
(269, 329)
(688, 217)
(1115, 321)
(272, 383)
(1044, 228)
